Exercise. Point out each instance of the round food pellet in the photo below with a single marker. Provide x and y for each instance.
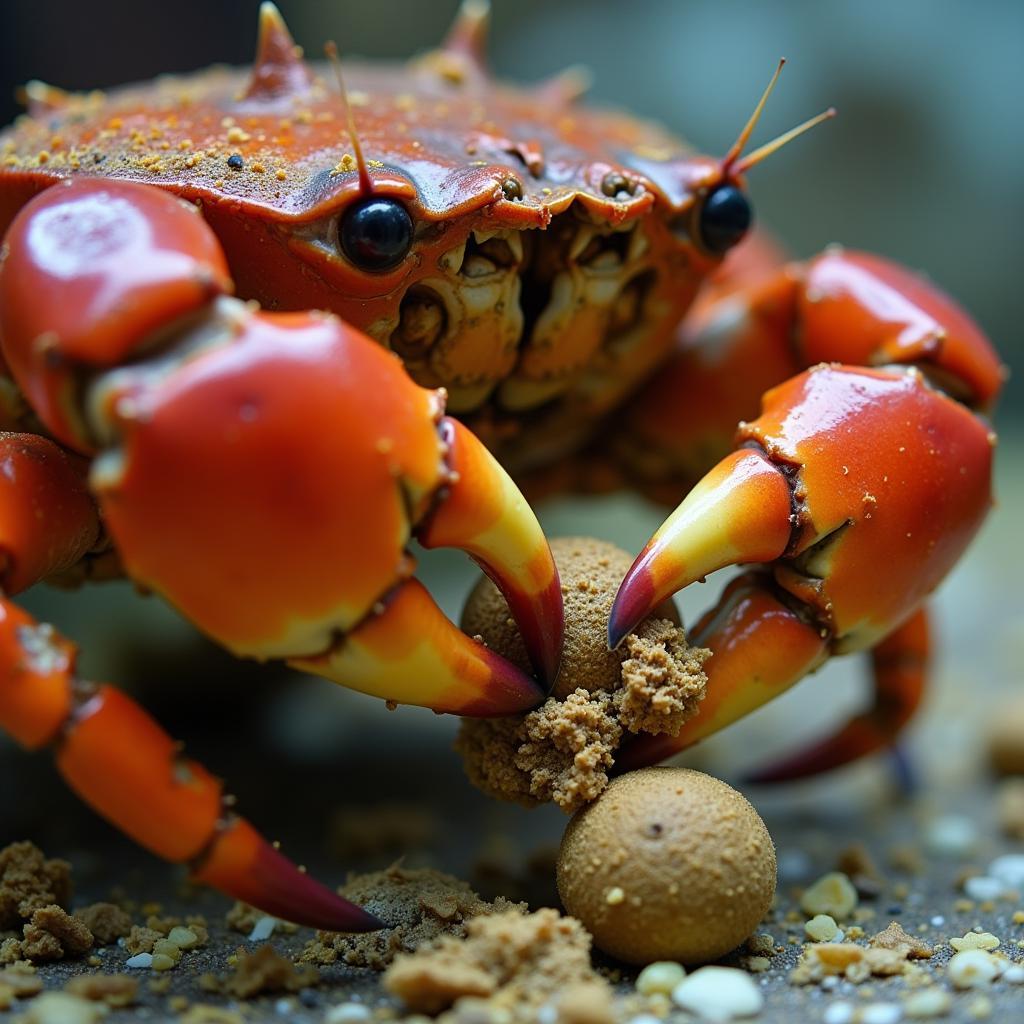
(692, 858)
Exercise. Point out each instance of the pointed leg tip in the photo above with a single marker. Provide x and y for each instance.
(633, 603)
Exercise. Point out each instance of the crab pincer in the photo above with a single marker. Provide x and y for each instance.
(854, 493)
(266, 473)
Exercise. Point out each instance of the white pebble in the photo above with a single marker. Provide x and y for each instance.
(822, 928)
(839, 1013)
(881, 1013)
(547, 1014)
(1009, 869)
(927, 1003)
(973, 968)
(938, 921)
(982, 887)
(719, 993)
(661, 976)
(952, 836)
(140, 960)
(645, 1018)
(62, 1008)
(263, 929)
(283, 1007)
(1014, 974)
(347, 1013)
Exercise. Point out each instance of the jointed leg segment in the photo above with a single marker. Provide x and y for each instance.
(107, 748)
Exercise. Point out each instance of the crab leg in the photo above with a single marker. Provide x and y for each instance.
(112, 754)
(899, 666)
(858, 489)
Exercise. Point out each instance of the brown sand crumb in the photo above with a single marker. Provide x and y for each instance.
(850, 961)
(29, 881)
(142, 940)
(562, 751)
(266, 970)
(52, 934)
(107, 922)
(18, 984)
(242, 917)
(516, 962)
(663, 679)
(567, 747)
(113, 989)
(894, 937)
(417, 905)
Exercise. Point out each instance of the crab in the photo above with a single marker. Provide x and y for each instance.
(259, 334)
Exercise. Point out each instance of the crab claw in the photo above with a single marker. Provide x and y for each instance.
(485, 514)
(244, 865)
(740, 512)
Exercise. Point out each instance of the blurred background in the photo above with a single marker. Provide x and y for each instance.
(923, 164)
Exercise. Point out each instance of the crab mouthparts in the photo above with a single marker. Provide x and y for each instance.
(514, 317)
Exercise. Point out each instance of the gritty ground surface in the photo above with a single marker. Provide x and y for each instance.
(328, 754)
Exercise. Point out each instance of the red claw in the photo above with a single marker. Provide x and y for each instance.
(244, 865)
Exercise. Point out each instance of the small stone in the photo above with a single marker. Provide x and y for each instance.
(975, 940)
(1009, 870)
(951, 836)
(162, 962)
(662, 976)
(165, 947)
(982, 887)
(929, 1002)
(832, 894)
(895, 937)
(839, 1013)
(881, 1013)
(144, 960)
(821, 928)
(980, 1008)
(1014, 974)
(347, 1013)
(719, 993)
(183, 938)
(61, 1008)
(263, 929)
(615, 896)
(973, 968)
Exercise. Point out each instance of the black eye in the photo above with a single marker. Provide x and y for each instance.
(376, 233)
(724, 219)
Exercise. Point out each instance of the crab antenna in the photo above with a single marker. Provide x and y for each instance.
(468, 34)
(365, 184)
(776, 144)
(744, 136)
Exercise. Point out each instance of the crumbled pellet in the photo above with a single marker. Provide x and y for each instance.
(821, 928)
(62, 1008)
(975, 940)
(894, 937)
(973, 968)
(115, 990)
(347, 1013)
(662, 976)
(832, 894)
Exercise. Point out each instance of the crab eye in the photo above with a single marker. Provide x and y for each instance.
(724, 219)
(376, 233)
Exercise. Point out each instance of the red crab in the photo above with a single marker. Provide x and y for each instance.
(555, 276)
